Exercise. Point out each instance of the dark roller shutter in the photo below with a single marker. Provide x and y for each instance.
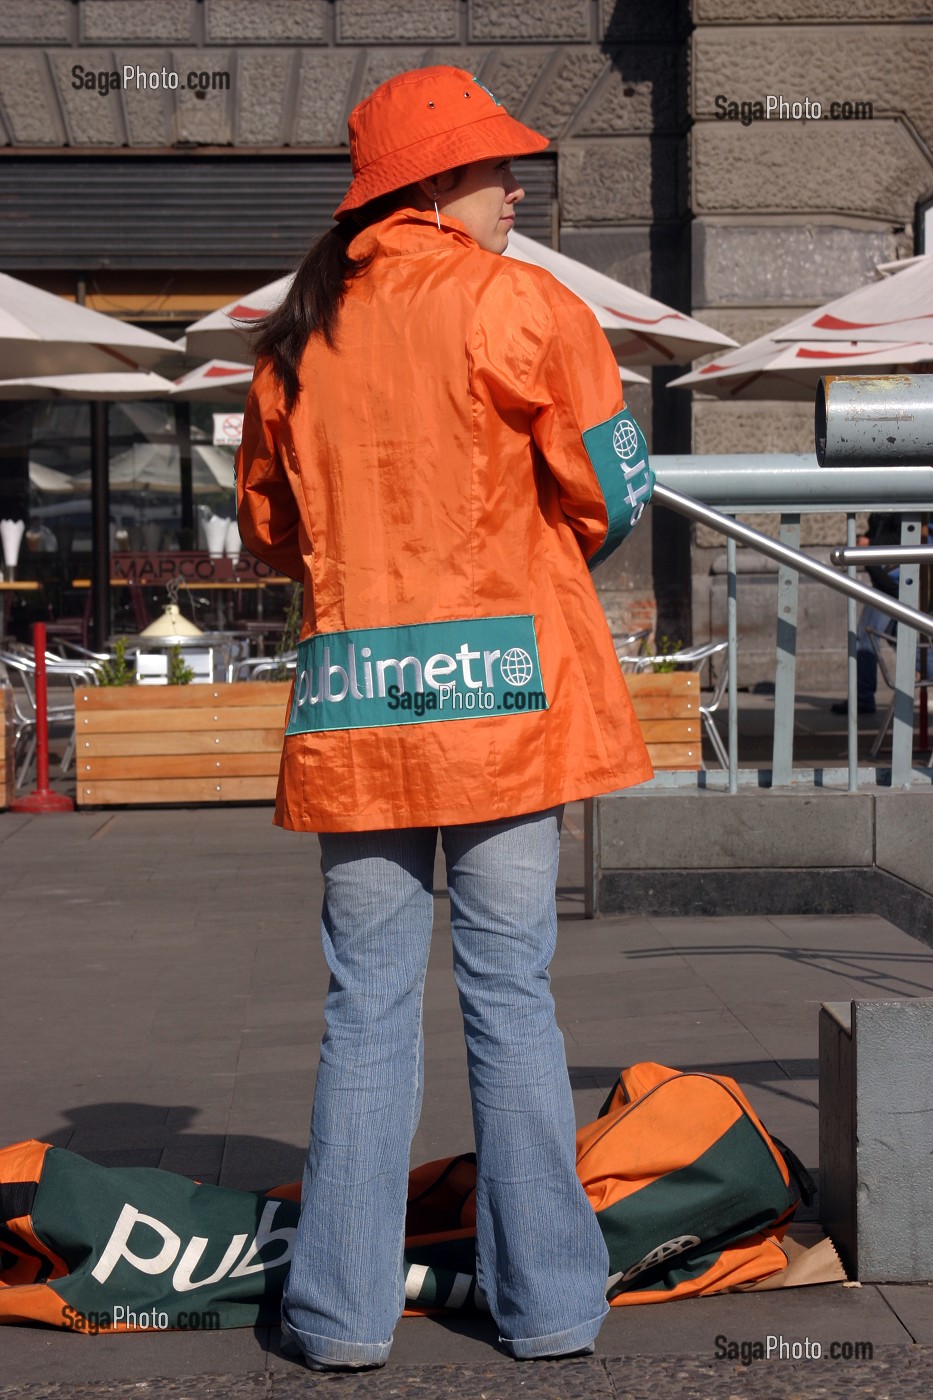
(209, 212)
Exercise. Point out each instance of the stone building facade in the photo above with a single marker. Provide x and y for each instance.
(744, 224)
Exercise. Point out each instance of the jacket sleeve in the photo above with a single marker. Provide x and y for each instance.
(591, 443)
(267, 512)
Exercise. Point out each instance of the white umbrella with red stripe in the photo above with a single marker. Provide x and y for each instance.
(897, 307)
(43, 334)
(640, 330)
(769, 368)
(218, 381)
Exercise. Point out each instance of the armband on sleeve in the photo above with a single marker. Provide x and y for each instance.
(619, 457)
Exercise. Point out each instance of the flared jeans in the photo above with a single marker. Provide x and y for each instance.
(542, 1262)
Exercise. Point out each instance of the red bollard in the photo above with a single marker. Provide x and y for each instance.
(42, 799)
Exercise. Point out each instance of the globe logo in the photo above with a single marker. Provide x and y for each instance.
(625, 439)
(516, 666)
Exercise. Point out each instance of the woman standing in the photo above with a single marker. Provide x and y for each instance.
(435, 443)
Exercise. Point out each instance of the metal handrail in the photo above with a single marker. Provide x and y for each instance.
(881, 554)
(794, 558)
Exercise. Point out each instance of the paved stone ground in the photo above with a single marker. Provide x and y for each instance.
(162, 984)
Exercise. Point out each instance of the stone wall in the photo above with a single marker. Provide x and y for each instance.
(788, 215)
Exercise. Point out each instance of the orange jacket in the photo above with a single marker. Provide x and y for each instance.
(433, 490)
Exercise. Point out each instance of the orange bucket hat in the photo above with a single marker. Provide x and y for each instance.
(425, 121)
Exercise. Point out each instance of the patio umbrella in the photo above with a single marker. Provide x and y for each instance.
(42, 334)
(154, 468)
(50, 479)
(640, 330)
(898, 307)
(103, 386)
(218, 381)
(769, 368)
(215, 337)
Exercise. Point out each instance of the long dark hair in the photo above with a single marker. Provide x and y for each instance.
(312, 305)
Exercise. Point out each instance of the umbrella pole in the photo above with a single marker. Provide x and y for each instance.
(100, 524)
(183, 429)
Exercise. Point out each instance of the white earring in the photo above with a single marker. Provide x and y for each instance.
(437, 213)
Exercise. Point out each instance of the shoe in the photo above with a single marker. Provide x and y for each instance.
(865, 707)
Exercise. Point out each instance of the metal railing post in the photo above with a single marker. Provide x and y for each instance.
(905, 664)
(785, 676)
(732, 654)
(852, 667)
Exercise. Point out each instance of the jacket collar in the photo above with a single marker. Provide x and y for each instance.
(405, 232)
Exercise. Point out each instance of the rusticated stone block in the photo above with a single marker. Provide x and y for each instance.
(136, 21)
(770, 264)
(460, 56)
(94, 118)
(644, 90)
(624, 21)
(29, 100)
(149, 115)
(382, 64)
(415, 21)
(568, 82)
(322, 99)
(753, 12)
(860, 168)
(267, 21)
(852, 63)
(634, 178)
(751, 427)
(511, 74)
(532, 19)
(261, 88)
(204, 119)
(619, 252)
(39, 22)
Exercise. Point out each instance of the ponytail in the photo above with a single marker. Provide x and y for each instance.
(312, 303)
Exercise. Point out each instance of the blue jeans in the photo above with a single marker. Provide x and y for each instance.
(541, 1257)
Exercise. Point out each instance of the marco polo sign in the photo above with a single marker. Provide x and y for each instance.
(194, 566)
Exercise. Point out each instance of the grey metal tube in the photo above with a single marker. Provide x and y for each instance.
(874, 419)
(793, 480)
(794, 557)
(881, 554)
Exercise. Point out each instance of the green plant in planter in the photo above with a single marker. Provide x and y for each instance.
(118, 670)
(289, 638)
(179, 672)
(663, 649)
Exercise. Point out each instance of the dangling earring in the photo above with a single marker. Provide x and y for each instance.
(437, 212)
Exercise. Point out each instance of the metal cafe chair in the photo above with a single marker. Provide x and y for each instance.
(20, 671)
(623, 646)
(884, 645)
(696, 658)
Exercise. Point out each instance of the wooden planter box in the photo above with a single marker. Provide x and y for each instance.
(667, 704)
(142, 745)
(7, 766)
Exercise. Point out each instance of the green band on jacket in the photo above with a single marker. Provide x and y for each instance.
(418, 674)
(619, 455)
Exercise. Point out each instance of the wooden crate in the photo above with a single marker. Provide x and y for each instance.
(7, 765)
(668, 708)
(143, 745)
